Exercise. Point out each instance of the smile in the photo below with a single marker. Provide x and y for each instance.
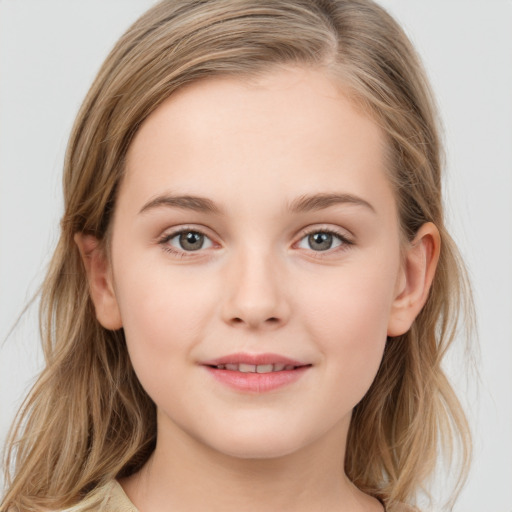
(253, 368)
(256, 373)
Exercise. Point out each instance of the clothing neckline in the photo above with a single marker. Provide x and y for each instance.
(118, 492)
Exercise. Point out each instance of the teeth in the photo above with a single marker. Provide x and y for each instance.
(264, 368)
(246, 368)
(252, 368)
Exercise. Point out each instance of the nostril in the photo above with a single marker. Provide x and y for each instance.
(271, 320)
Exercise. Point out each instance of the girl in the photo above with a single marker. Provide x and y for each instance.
(253, 289)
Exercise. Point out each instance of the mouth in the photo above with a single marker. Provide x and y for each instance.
(256, 373)
(256, 368)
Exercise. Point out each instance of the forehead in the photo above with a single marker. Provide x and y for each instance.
(292, 131)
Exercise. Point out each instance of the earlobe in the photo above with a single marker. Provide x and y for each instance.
(100, 281)
(420, 262)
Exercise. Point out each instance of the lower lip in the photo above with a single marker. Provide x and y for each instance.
(257, 382)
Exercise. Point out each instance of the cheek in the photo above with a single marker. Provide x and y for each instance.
(161, 327)
(163, 315)
(348, 318)
(356, 298)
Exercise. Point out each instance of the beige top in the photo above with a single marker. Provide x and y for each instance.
(115, 500)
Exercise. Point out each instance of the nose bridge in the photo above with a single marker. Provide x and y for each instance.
(256, 291)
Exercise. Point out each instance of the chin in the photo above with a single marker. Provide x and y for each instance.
(261, 450)
(259, 441)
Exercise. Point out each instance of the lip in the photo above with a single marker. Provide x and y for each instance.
(256, 383)
(256, 359)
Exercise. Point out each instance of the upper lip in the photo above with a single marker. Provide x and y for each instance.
(253, 359)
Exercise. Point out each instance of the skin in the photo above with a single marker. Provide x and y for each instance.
(256, 286)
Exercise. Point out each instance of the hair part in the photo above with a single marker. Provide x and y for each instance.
(87, 419)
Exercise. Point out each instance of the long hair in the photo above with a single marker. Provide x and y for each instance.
(87, 420)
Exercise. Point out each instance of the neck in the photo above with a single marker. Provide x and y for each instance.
(184, 474)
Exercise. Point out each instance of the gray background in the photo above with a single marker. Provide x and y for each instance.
(49, 53)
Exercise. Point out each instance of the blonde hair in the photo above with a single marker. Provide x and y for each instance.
(87, 420)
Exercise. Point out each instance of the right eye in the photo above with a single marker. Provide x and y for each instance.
(186, 240)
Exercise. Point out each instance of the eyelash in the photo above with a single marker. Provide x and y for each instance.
(165, 239)
(344, 242)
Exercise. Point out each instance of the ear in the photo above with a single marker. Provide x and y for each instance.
(99, 276)
(418, 270)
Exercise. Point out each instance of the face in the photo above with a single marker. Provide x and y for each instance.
(255, 261)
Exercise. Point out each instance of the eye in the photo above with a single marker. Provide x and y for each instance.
(186, 241)
(321, 241)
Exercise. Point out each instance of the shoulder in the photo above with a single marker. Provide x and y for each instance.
(116, 500)
(107, 498)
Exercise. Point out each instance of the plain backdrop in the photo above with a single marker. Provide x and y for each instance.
(49, 53)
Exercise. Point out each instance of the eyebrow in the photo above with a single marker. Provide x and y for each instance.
(195, 203)
(302, 204)
(313, 202)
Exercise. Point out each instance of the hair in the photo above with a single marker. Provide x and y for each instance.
(87, 419)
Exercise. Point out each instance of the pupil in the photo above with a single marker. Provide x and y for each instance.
(191, 241)
(320, 241)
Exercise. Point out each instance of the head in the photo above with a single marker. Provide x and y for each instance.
(177, 48)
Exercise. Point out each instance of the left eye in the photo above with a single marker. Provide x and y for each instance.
(189, 241)
(321, 241)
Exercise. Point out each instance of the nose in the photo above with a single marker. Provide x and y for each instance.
(255, 292)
